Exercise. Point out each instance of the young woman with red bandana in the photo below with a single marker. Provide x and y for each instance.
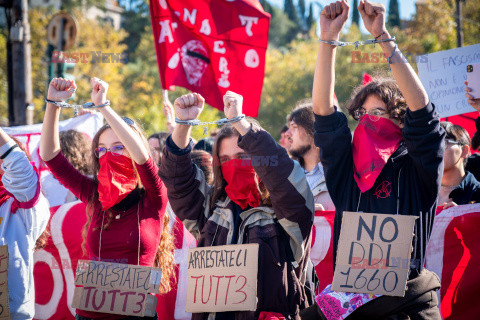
(259, 195)
(126, 200)
(393, 165)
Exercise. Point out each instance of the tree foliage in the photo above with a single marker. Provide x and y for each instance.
(135, 88)
(393, 14)
(289, 76)
(310, 19)
(355, 13)
(302, 15)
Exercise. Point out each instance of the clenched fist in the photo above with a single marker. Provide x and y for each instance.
(61, 89)
(332, 19)
(99, 91)
(373, 16)
(232, 104)
(189, 106)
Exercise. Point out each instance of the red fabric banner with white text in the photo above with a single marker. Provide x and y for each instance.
(211, 47)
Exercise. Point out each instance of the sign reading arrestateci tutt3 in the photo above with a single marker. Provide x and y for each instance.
(374, 253)
(222, 278)
(116, 288)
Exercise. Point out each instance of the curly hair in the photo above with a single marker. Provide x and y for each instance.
(75, 147)
(387, 90)
(164, 257)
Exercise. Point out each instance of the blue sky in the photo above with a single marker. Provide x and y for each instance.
(407, 8)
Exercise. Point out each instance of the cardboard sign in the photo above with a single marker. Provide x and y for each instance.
(443, 74)
(373, 254)
(4, 305)
(222, 278)
(116, 288)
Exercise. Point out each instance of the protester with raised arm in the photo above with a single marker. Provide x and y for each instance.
(125, 198)
(259, 195)
(24, 215)
(394, 164)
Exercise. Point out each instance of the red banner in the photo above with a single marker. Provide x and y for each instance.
(452, 253)
(322, 247)
(211, 47)
(55, 266)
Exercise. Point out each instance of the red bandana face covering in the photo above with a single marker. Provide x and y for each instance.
(116, 179)
(241, 187)
(373, 144)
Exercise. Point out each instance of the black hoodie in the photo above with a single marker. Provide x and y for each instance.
(468, 191)
(408, 184)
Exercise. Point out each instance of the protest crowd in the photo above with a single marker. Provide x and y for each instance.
(109, 196)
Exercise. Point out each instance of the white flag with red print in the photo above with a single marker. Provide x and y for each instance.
(453, 253)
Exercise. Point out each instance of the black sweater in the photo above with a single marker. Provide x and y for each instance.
(408, 184)
(467, 192)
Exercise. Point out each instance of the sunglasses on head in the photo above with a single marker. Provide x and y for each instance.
(127, 120)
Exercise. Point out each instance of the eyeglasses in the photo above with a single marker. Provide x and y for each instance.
(115, 150)
(128, 121)
(451, 142)
(375, 113)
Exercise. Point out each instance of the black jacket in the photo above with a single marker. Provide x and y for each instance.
(283, 230)
(467, 192)
(408, 184)
(473, 165)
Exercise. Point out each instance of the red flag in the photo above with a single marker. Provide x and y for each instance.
(212, 46)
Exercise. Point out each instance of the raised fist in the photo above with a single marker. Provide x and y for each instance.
(189, 106)
(373, 16)
(99, 91)
(232, 104)
(332, 19)
(61, 89)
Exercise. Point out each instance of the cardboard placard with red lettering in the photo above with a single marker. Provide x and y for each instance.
(371, 253)
(4, 305)
(222, 278)
(116, 288)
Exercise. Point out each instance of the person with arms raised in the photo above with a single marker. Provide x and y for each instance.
(394, 163)
(259, 195)
(125, 198)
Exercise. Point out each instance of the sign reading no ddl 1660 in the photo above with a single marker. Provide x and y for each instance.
(368, 248)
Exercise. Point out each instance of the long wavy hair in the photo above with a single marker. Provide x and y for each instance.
(164, 256)
(219, 182)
